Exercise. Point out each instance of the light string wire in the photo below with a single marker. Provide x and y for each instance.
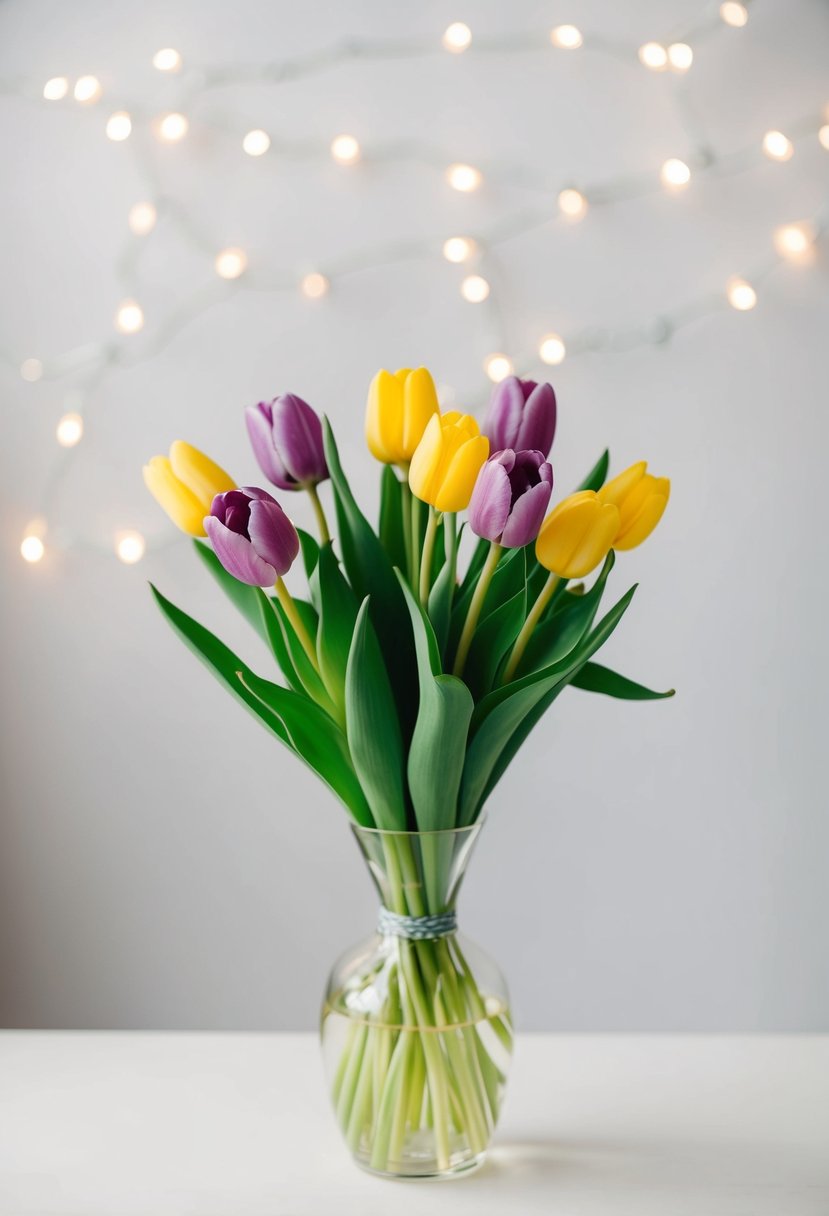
(92, 362)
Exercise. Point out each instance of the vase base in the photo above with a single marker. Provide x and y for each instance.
(424, 1171)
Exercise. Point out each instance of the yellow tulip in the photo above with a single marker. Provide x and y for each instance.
(641, 499)
(399, 407)
(185, 485)
(577, 535)
(446, 462)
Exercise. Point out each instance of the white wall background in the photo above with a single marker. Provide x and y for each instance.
(645, 866)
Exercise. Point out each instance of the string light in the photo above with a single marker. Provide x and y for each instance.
(777, 146)
(551, 349)
(458, 248)
(231, 263)
(566, 37)
(56, 88)
(823, 136)
(69, 430)
(345, 149)
(498, 367)
(129, 317)
(130, 546)
(172, 127)
(464, 178)
(572, 203)
(474, 289)
(314, 285)
(167, 60)
(680, 56)
(119, 126)
(734, 14)
(256, 143)
(741, 295)
(654, 56)
(457, 37)
(142, 218)
(32, 548)
(795, 241)
(31, 370)
(675, 174)
(87, 90)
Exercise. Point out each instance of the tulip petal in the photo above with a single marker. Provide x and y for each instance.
(618, 488)
(595, 543)
(258, 420)
(420, 403)
(457, 483)
(537, 425)
(272, 535)
(643, 523)
(202, 476)
(526, 516)
(238, 556)
(426, 460)
(489, 505)
(183, 508)
(384, 418)
(297, 439)
(503, 418)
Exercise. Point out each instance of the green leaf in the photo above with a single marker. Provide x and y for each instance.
(372, 727)
(497, 723)
(595, 479)
(302, 667)
(438, 746)
(243, 597)
(556, 635)
(371, 575)
(310, 549)
(493, 639)
(595, 678)
(297, 722)
(391, 517)
(338, 613)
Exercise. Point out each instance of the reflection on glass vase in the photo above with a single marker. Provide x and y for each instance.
(416, 1030)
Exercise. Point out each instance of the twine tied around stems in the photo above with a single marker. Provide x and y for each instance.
(416, 928)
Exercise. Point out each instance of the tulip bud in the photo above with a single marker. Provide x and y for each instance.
(286, 437)
(511, 495)
(641, 499)
(446, 462)
(399, 407)
(185, 485)
(252, 536)
(577, 535)
(521, 416)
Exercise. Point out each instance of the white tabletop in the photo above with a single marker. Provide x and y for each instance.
(239, 1125)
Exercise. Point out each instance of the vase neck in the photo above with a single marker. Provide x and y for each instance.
(417, 874)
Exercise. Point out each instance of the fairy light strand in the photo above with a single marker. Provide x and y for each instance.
(792, 242)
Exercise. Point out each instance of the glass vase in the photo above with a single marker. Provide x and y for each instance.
(416, 1030)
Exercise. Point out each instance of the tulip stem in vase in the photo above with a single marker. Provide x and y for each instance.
(322, 522)
(427, 555)
(534, 616)
(477, 603)
(290, 609)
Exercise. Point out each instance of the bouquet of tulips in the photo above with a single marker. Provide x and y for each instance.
(410, 679)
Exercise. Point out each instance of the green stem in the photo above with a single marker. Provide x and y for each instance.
(290, 609)
(476, 604)
(544, 596)
(416, 507)
(406, 512)
(427, 555)
(322, 522)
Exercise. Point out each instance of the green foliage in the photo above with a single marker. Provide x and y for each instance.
(370, 707)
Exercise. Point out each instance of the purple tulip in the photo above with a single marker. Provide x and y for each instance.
(252, 536)
(521, 416)
(511, 497)
(286, 436)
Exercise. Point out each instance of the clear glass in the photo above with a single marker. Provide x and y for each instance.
(416, 1035)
